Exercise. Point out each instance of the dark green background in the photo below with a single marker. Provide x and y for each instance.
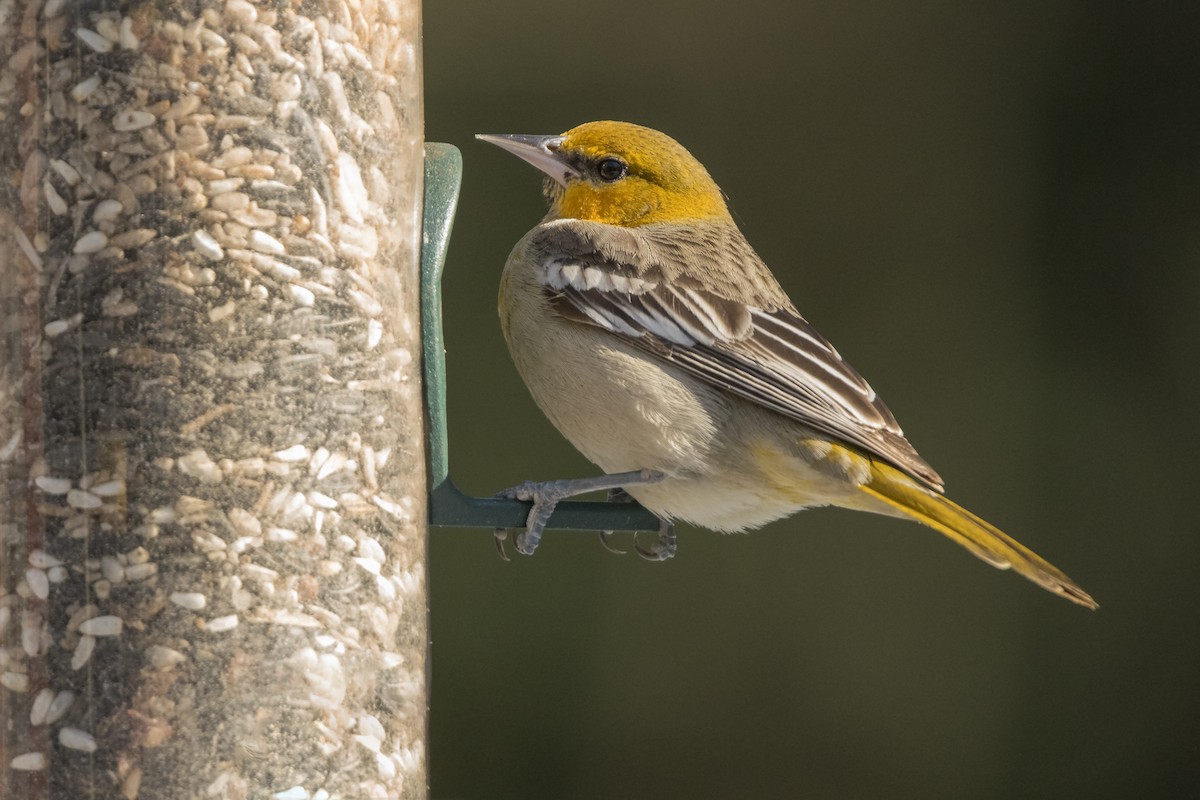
(994, 213)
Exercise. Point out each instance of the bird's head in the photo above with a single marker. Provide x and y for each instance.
(618, 173)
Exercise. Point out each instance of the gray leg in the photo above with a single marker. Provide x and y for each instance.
(546, 495)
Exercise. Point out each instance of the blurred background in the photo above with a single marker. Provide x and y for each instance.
(994, 213)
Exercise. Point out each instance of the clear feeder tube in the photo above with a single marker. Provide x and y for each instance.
(212, 519)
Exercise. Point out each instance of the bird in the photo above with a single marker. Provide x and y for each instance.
(661, 346)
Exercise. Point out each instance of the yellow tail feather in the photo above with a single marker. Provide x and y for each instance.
(981, 538)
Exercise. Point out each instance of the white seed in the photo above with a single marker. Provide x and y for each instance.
(131, 120)
(207, 246)
(68, 173)
(54, 200)
(374, 333)
(385, 589)
(107, 625)
(244, 522)
(112, 569)
(234, 156)
(57, 327)
(182, 107)
(76, 739)
(84, 89)
(294, 793)
(102, 588)
(197, 464)
(132, 239)
(27, 247)
(163, 515)
(219, 187)
(369, 742)
(161, 657)
(390, 506)
(257, 572)
(92, 242)
(231, 202)
(39, 582)
(108, 488)
(29, 762)
(321, 500)
(83, 651)
(281, 535)
(370, 725)
(59, 706)
(240, 12)
(15, 681)
(295, 618)
(40, 706)
(138, 555)
(351, 193)
(107, 210)
(301, 296)
(220, 624)
(218, 313)
(41, 559)
(371, 548)
(57, 574)
(369, 564)
(107, 27)
(140, 572)
(94, 40)
(31, 633)
(9, 448)
(78, 498)
(296, 452)
(126, 37)
(190, 600)
(265, 243)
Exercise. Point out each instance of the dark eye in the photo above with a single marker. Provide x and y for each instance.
(611, 169)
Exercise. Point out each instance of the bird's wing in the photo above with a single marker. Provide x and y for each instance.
(771, 357)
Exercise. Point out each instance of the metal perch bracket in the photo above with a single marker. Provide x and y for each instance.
(448, 505)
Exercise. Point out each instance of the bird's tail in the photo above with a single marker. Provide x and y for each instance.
(986, 541)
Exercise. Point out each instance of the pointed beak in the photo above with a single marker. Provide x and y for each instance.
(541, 151)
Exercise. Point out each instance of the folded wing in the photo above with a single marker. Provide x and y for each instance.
(770, 356)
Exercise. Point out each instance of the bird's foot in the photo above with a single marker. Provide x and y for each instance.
(545, 495)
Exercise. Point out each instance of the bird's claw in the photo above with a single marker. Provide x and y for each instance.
(604, 542)
(501, 535)
(661, 550)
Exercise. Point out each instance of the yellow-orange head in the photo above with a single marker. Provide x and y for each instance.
(620, 174)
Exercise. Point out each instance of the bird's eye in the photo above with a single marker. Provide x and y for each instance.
(611, 169)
